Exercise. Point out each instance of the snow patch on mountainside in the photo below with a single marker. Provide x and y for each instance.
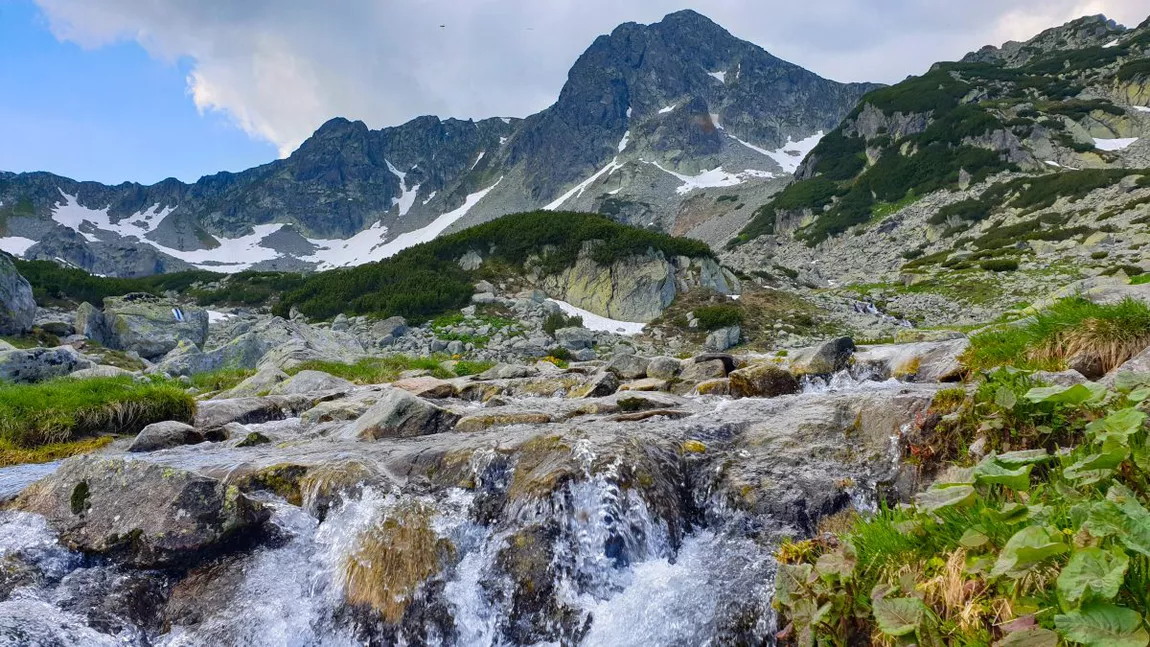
(721, 77)
(623, 142)
(369, 245)
(407, 199)
(592, 321)
(232, 254)
(716, 177)
(791, 154)
(1142, 108)
(1117, 144)
(16, 245)
(666, 109)
(578, 190)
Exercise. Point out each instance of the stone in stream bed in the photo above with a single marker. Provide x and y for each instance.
(762, 381)
(148, 515)
(398, 414)
(164, 435)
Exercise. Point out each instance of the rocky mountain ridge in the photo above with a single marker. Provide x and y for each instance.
(651, 117)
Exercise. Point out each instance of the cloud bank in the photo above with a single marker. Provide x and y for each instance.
(280, 68)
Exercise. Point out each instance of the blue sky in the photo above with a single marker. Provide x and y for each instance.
(108, 114)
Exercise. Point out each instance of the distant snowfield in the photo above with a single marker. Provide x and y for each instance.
(721, 77)
(1142, 108)
(711, 179)
(407, 200)
(15, 245)
(368, 245)
(218, 317)
(791, 154)
(232, 255)
(578, 190)
(666, 109)
(1113, 144)
(592, 321)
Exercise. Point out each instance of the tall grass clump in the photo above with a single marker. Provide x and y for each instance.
(377, 370)
(1112, 333)
(65, 410)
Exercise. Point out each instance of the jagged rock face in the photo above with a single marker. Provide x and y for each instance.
(17, 308)
(676, 93)
(1088, 31)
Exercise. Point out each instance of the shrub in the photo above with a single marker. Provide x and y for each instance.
(65, 410)
(999, 265)
(557, 320)
(716, 317)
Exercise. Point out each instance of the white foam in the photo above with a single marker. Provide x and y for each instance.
(716, 177)
(667, 109)
(592, 321)
(1116, 144)
(623, 142)
(369, 245)
(582, 186)
(721, 77)
(790, 154)
(16, 245)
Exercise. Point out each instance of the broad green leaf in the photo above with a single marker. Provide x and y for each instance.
(1028, 548)
(1009, 513)
(821, 613)
(791, 581)
(836, 564)
(1124, 421)
(1103, 625)
(1139, 395)
(1023, 457)
(989, 472)
(1101, 462)
(898, 616)
(1072, 395)
(1005, 397)
(1030, 637)
(1133, 520)
(973, 538)
(1127, 381)
(955, 476)
(937, 498)
(1095, 572)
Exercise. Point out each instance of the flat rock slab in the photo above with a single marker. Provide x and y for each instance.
(150, 515)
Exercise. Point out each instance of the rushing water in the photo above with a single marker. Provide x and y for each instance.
(621, 571)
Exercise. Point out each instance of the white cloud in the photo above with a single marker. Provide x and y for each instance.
(280, 68)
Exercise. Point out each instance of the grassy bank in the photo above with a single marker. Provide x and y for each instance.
(380, 370)
(1026, 547)
(40, 422)
(1112, 333)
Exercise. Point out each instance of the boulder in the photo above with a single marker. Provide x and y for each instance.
(58, 328)
(348, 408)
(724, 338)
(1060, 378)
(259, 384)
(38, 364)
(1088, 364)
(721, 386)
(17, 308)
(707, 369)
(508, 372)
(637, 288)
(645, 384)
(762, 381)
(394, 327)
(100, 370)
(1139, 364)
(211, 414)
(149, 515)
(272, 343)
(601, 384)
(629, 367)
(426, 387)
(398, 414)
(487, 420)
(311, 382)
(163, 435)
(575, 338)
(326, 486)
(921, 361)
(824, 359)
(89, 322)
(150, 325)
(664, 368)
